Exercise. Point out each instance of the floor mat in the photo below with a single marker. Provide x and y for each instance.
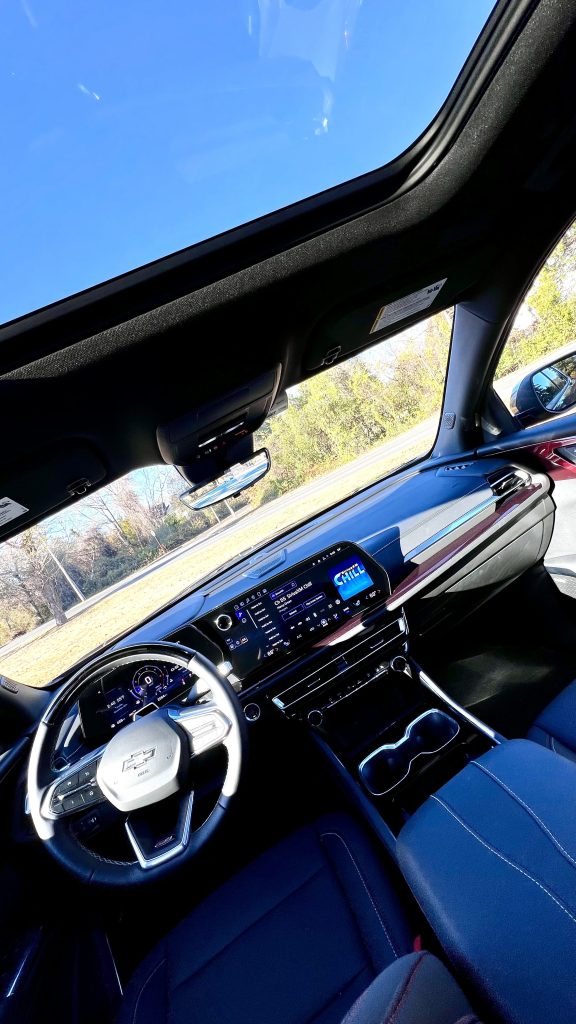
(508, 659)
(505, 686)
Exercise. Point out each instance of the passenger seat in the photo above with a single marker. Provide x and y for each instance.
(555, 726)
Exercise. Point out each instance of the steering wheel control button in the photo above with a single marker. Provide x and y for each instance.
(88, 824)
(252, 712)
(91, 794)
(224, 622)
(87, 774)
(207, 726)
(74, 802)
(67, 786)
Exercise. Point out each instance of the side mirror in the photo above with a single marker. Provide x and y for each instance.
(235, 480)
(545, 392)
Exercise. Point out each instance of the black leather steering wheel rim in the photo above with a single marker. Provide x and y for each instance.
(83, 863)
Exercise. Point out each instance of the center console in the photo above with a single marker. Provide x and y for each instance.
(394, 741)
(318, 645)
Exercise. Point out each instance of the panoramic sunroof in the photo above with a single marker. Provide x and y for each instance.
(133, 130)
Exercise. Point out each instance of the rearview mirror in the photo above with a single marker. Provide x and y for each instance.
(545, 392)
(235, 480)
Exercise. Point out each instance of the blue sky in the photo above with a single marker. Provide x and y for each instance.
(131, 130)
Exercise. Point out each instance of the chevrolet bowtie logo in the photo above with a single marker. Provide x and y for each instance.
(138, 759)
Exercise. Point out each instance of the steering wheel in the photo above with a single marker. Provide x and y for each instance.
(143, 771)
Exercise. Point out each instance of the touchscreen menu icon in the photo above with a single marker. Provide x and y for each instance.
(351, 578)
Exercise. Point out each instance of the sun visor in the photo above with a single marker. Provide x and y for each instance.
(216, 426)
(39, 485)
(388, 311)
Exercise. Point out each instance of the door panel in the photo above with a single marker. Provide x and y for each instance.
(551, 447)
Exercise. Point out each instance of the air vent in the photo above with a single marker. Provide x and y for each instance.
(508, 480)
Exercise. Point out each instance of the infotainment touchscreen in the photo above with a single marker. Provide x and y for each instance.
(298, 607)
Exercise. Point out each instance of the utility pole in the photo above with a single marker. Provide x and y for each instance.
(66, 575)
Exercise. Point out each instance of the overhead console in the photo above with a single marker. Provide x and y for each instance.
(212, 437)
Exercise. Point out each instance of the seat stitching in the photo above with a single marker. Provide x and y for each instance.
(373, 959)
(501, 856)
(529, 811)
(147, 982)
(402, 995)
(362, 879)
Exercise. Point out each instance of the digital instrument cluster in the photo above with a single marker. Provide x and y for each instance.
(297, 608)
(122, 694)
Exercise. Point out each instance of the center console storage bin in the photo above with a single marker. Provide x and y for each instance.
(491, 857)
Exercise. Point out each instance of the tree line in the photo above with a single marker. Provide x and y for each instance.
(109, 535)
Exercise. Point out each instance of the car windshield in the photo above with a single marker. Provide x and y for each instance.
(73, 583)
(131, 131)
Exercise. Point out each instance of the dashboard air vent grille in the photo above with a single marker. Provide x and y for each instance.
(508, 481)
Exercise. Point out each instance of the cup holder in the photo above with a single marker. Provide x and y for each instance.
(388, 766)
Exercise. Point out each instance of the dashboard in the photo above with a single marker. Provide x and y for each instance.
(317, 615)
(333, 598)
(259, 632)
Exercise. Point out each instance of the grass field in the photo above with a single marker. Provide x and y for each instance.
(47, 656)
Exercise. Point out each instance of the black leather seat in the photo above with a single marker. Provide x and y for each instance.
(415, 989)
(555, 726)
(296, 937)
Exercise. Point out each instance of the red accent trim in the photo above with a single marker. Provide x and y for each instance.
(553, 463)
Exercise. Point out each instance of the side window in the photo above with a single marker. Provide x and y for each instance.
(536, 375)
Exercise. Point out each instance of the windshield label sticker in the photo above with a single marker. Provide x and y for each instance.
(407, 306)
(10, 510)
